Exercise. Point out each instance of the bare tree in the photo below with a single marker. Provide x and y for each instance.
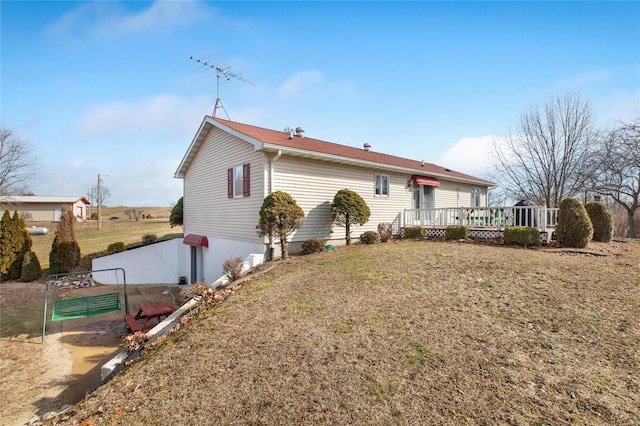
(616, 169)
(92, 194)
(544, 161)
(17, 165)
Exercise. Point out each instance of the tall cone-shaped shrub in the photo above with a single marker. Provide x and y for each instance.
(574, 227)
(7, 252)
(21, 245)
(601, 220)
(65, 251)
(31, 270)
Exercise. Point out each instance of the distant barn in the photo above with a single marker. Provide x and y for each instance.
(36, 208)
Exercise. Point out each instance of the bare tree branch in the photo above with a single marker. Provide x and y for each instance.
(17, 166)
(616, 169)
(544, 161)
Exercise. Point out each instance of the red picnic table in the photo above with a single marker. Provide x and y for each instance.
(151, 313)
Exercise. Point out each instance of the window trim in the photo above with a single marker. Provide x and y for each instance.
(238, 181)
(378, 185)
(474, 190)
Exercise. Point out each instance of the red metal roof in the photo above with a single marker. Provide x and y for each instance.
(281, 139)
(421, 180)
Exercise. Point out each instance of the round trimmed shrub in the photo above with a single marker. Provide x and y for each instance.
(115, 247)
(601, 220)
(521, 235)
(369, 237)
(574, 227)
(455, 232)
(312, 245)
(149, 239)
(414, 232)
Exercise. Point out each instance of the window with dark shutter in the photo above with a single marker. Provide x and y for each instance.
(230, 183)
(246, 175)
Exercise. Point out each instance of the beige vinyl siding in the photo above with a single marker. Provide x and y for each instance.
(447, 195)
(313, 184)
(207, 209)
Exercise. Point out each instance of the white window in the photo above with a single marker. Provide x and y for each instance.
(381, 185)
(238, 181)
(476, 199)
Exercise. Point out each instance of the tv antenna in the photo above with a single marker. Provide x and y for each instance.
(224, 71)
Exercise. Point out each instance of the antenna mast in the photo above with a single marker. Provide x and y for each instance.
(224, 71)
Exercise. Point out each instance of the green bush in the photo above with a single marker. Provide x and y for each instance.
(522, 236)
(61, 256)
(455, 232)
(386, 231)
(312, 245)
(115, 247)
(414, 232)
(149, 239)
(369, 237)
(574, 227)
(349, 208)
(601, 220)
(31, 270)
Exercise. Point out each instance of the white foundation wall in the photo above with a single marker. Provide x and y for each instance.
(220, 250)
(159, 263)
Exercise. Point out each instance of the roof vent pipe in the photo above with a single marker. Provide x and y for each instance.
(300, 132)
(290, 134)
(367, 147)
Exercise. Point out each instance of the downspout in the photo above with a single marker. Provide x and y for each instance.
(271, 180)
(272, 170)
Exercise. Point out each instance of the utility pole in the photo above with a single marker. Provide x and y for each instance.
(99, 204)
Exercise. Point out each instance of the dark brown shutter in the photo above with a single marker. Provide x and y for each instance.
(230, 183)
(246, 185)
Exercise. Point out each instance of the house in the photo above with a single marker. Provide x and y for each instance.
(35, 208)
(230, 168)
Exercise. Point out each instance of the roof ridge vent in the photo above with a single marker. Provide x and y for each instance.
(367, 147)
(300, 132)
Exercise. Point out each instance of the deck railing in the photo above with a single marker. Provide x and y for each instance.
(498, 217)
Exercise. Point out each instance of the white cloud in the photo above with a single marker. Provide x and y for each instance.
(300, 82)
(109, 18)
(471, 155)
(584, 79)
(619, 106)
(161, 116)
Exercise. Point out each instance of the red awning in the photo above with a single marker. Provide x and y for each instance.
(196, 240)
(421, 180)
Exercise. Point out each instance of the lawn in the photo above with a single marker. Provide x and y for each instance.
(401, 333)
(92, 240)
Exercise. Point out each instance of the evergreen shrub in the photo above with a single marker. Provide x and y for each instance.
(312, 245)
(456, 232)
(115, 247)
(31, 270)
(601, 220)
(369, 237)
(522, 236)
(414, 232)
(574, 227)
(149, 239)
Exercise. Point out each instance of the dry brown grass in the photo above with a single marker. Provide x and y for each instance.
(406, 333)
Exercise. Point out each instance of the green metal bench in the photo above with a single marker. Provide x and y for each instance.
(86, 306)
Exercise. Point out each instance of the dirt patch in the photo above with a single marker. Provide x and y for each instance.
(37, 378)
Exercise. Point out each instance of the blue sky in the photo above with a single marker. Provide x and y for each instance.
(107, 87)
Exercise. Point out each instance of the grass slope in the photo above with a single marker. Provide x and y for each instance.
(407, 333)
